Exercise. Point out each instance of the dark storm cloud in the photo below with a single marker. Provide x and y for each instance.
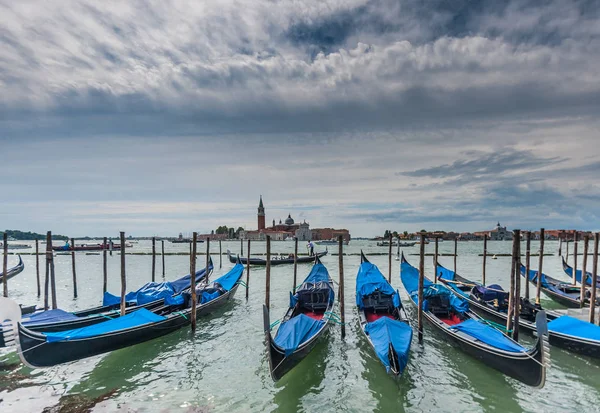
(485, 165)
(325, 66)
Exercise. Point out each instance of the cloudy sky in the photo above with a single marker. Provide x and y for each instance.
(158, 117)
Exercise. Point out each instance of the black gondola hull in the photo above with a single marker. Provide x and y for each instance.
(584, 347)
(36, 352)
(259, 261)
(577, 345)
(280, 365)
(527, 368)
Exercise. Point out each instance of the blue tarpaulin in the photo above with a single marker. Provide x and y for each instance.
(578, 274)
(136, 318)
(368, 280)
(489, 335)
(296, 331)
(385, 331)
(228, 280)
(533, 277)
(445, 273)
(155, 291)
(574, 327)
(50, 316)
(317, 273)
(410, 278)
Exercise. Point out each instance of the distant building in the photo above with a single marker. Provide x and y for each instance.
(289, 229)
(499, 233)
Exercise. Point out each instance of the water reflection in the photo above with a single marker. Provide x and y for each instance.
(304, 380)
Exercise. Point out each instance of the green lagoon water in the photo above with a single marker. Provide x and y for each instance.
(223, 366)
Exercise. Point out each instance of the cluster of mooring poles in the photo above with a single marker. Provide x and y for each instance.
(49, 288)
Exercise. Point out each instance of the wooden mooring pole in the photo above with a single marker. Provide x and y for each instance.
(295, 263)
(153, 258)
(268, 274)
(594, 278)
(567, 241)
(162, 246)
(242, 248)
(341, 282)
(435, 261)
(123, 280)
(586, 244)
(511, 292)
(207, 259)
(390, 261)
(420, 292)
(540, 269)
(247, 269)
(111, 246)
(5, 263)
(52, 273)
(484, 258)
(37, 267)
(517, 292)
(560, 238)
(455, 252)
(47, 279)
(74, 272)
(574, 257)
(527, 263)
(221, 257)
(104, 267)
(193, 280)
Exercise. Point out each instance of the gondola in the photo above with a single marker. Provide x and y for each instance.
(11, 272)
(48, 349)
(88, 247)
(562, 292)
(491, 303)
(307, 318)
(450, 315)
(383, 320)
(275, 260)
(569, 271)
(150, 296)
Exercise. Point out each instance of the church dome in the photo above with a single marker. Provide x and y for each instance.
(289, 220)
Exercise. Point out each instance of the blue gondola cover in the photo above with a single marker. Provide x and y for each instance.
(153, 291)
(445, 273)
(578, 274)
(136, 318)
(489, 335)
(410, 278)
(368, 280)
(228, 280)
(296, 331)
(385, 331)
(574, 327)
(49, 316)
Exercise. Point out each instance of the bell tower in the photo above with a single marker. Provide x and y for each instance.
(261, 215)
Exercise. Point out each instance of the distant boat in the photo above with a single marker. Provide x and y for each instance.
(89, 247)
(275, 260)
(15, 246)
(332, 241)
(397, 244)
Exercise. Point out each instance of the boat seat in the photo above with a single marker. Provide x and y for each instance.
(314, 297)
(439, 305)
(378, 303)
